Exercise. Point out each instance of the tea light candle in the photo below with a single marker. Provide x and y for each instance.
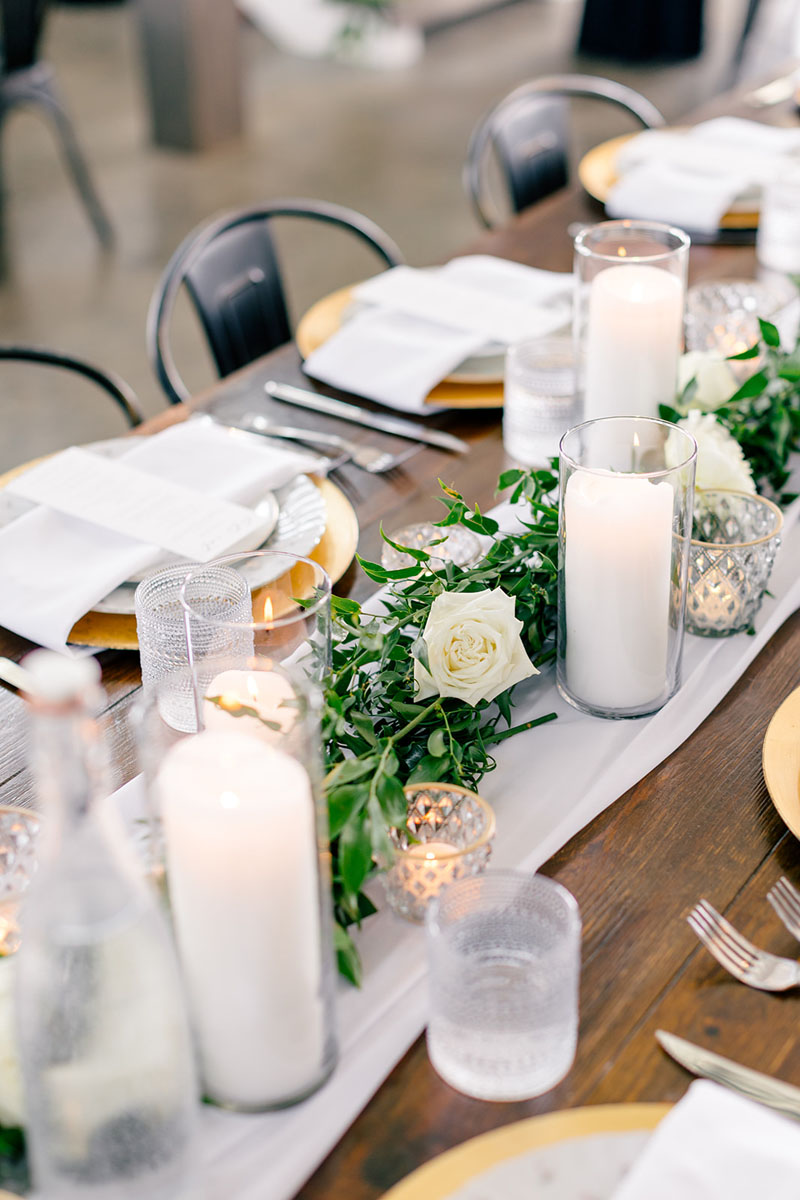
(426, 868)
(243, 879)
(617, 561)
(635, 332)
(267, 692)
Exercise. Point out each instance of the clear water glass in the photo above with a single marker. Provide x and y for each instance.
(288, 623)
(540, 402)
(504, 969)
(163, 626)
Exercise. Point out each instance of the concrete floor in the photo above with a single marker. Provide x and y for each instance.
(391, 145)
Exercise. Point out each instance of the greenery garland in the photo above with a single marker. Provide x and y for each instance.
(764, 413)
(377, 736)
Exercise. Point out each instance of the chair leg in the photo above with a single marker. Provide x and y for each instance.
(41, 90)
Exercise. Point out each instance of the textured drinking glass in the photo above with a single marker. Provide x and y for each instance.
(736, 539)
(504, 967)
(625, 523)
(540, 400)
(630, 281)
(19, 833)
(778, 237)
(447, 836)
(241, 825)
(456, 544)
(219, 595)
(290, 621)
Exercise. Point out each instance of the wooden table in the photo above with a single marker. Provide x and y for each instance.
(701, 824)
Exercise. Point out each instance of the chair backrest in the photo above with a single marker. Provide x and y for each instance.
(528, 132)
(115, 387)
(22, 22)
(232, 275)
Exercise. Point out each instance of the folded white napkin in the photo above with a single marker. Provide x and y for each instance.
(54, 568)
(418, 326)
(692, 178)
(716, 1145)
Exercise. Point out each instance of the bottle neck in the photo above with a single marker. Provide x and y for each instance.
(70, 765)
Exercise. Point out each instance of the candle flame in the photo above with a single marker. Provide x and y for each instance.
(229, 800)
(268, 611)
(429, 854)
(622, 252)
(252, 687)
(636, 440)
(229, 703)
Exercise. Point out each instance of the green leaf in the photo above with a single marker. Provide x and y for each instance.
(436, 744)
(769, 333)
(392, 799)
(430, 769)
(347, 957)
(344, 803)
(355, 855)
(753, 352)
(508, 478)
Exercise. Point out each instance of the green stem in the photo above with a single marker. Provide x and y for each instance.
(453, 758)
(493, 738)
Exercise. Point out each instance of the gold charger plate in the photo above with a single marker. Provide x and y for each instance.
(597, 171)
(443, 1175)
(780, 758)
(334, 553)
(324, 318)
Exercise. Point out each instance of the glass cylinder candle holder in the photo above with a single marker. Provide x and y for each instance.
(736, 539)
(239, 812)
(628, 317)
(625, 524)
(447, 836)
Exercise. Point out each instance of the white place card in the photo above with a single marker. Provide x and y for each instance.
(139, 505)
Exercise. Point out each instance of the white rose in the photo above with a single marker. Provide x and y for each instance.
(720, 460)
(715, 379)
(474, 647)
(11, 1104)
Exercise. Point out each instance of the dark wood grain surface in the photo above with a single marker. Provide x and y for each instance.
(700, 824)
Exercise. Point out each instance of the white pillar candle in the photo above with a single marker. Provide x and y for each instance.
(268, 693)
(617, 560)
(243, 878)
(634, 337)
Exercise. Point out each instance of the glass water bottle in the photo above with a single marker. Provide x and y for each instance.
(105, 1047)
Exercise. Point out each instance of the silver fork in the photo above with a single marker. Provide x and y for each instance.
(369, 458)
(785, 899)
(757, 968)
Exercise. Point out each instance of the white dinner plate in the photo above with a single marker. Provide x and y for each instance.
(299, 515)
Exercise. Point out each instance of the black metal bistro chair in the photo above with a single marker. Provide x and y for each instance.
(115, 388)
(232, 274)
(527, 133)
(25, 81)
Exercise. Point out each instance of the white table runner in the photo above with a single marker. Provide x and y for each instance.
(582, 764)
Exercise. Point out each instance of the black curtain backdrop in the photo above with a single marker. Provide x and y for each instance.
(642, 31)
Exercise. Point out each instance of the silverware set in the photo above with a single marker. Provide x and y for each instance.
(748, 963)
(340, 450)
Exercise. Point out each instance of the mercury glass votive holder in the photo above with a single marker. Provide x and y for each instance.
(19, 832)
(456, 544)
(736, 539)
(447, 836)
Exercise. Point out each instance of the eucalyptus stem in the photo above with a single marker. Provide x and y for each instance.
(493, 738)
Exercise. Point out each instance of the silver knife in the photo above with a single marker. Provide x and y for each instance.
(359, 416)
(763, 1088)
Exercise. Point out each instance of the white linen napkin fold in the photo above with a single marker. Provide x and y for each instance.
(54, 568)
(717, 1145)
(692, 178)
(418, 326)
